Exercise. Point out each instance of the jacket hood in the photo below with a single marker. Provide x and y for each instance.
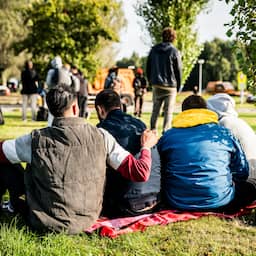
(56, 62)
(163, 47)
(222, 104)
(194, 117)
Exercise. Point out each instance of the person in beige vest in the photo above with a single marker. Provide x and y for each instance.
(67, 163)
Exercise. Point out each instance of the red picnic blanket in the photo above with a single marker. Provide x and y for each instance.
(115, 227)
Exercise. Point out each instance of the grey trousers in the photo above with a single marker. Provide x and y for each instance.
(168, 97)
(33, 100)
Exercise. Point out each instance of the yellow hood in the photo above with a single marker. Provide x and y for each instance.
(194, 117)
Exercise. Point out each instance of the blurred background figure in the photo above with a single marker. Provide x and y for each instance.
(140, 88)
(29, 79)
(83, 91)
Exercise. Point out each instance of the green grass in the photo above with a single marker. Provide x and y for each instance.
(206, 236)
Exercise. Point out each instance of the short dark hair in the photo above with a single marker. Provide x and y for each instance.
(168, 34)
(108, 99)
(219, 88)
(193, 101)
(59, 99)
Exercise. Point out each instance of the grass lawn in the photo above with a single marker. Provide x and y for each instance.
(206, 236)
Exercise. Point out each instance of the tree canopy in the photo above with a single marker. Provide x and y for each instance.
(12, 30)
(180, 15)
(72, 29)
(221, 63)
(243, 27)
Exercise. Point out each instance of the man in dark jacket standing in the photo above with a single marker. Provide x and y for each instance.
(124, 197)
(29, 79)
(164, 74)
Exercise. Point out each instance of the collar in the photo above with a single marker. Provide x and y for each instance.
(114, 112)
(67, 121)
(194, 117)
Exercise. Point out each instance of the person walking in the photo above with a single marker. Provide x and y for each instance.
(29, 79)
(164, 71)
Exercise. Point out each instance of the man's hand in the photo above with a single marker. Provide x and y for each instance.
(148, 138)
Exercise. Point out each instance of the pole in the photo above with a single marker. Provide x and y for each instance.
(200, 62)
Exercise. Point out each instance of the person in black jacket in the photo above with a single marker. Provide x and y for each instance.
(123, 197)
(140, 88)
(29, 79)
(164, 74)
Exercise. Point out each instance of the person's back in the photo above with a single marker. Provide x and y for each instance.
(224, 106)
(123, 197)
(164, 65)
(29, 79)
(67, 163)
(164, 73)
(64, 151)
(202, 160)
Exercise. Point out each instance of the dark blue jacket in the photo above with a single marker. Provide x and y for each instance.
(164, 66)
(119, 191)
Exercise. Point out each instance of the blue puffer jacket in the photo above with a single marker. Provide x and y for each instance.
(119, 192)
(200, 162)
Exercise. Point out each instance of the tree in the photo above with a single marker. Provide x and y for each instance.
(221, 63)
(72, 29)
(243, 27)
(179, 14)
(134, 60)
(11, 30)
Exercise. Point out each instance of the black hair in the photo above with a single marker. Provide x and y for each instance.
(108, 99)
(193, 101)
(219, 88)
(59, 99)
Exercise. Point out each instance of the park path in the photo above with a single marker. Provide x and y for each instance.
(12, 102)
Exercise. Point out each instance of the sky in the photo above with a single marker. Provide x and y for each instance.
(210, 24)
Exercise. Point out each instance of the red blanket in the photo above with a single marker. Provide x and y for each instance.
(115, 227)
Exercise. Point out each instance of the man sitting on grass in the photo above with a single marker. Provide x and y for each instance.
(123, 197)
(204, 165)
(65, 181)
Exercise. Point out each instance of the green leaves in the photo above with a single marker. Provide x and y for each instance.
(71, 29)
(244, 23)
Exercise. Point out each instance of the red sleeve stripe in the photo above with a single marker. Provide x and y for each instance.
(3, 158)
(137, 170)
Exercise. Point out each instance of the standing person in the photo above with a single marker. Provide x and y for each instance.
(112, 80)
(164, 74)
(83, 91)
(224, 106)
(60, 74)
(67, 166)
(123, 197)
(205, 167)
(29, 80)
(140, 88)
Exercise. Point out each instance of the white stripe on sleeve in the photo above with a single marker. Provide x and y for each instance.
(115, 153)
(18, 150)
(9, 150)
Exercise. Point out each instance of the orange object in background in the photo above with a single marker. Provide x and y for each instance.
(228, 87)
(126, 76)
